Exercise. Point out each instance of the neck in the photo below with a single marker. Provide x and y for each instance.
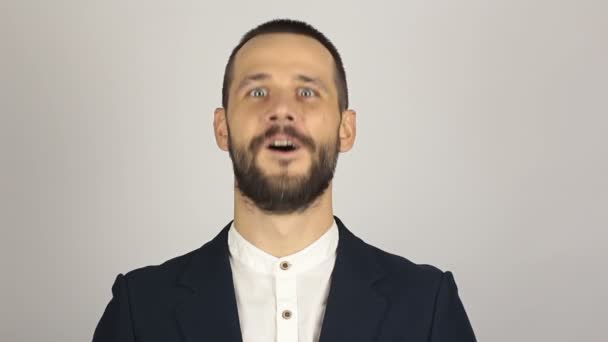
(282, 235)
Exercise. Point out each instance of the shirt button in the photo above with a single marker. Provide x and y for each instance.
(285, 265)
(286, 314)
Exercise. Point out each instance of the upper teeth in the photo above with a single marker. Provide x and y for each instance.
(282, 143)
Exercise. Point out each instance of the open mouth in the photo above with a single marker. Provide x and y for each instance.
(283, 146)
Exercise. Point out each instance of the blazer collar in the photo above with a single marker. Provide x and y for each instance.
(354, 308)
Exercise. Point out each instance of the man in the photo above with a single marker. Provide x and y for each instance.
(285, 269)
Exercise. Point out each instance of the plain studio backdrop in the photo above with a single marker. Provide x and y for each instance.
(482, 149)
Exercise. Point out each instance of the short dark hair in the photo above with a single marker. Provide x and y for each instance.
(296, 27)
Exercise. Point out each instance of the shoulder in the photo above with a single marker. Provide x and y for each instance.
(171, 272)
(394, 269)
(403, 273)
(161, 275)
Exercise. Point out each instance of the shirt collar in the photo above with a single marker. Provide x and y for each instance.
(253, 257)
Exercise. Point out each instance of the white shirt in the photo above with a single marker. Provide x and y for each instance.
(282, 299)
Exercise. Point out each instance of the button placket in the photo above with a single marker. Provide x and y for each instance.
(286, 301)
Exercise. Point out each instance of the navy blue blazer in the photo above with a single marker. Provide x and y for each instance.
(373, 296)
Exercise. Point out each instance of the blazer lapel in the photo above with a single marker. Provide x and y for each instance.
(354, 309)
(210, 313)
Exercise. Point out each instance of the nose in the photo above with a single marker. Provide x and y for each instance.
(282, 110)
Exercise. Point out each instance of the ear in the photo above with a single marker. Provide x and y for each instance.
(348, 130)
(220, 127)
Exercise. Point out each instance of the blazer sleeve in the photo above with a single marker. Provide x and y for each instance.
(450, 321)
(116, 323)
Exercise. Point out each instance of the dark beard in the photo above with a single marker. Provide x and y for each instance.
(283, 194)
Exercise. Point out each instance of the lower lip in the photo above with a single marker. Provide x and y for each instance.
(283, 153)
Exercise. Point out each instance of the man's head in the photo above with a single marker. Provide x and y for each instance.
(284, 117)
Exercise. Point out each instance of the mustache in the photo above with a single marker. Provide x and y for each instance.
(290, 131)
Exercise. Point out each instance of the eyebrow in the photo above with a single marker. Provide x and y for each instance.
(252, 78)
(314, 80)
(265, 76)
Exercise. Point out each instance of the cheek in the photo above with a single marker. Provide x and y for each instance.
(327, 126)
(249, 109)
(323, 112)
(241, 128)
(248, 117)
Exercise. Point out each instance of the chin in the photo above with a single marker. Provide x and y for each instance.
(284, 167)
(278, 176)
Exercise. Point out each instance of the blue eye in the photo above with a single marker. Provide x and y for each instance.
(306, 92)
(258, 92)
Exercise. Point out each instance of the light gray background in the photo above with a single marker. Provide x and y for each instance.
(482, 149)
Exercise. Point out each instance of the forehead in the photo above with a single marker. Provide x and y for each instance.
(284, 53)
